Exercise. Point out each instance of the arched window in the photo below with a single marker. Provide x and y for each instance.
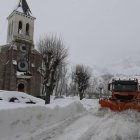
(9, 29)
(27, 29)
(20, 27)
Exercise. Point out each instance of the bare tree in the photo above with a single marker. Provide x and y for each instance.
(82, 76)
(62, 81)
(54, 54)
(105, 82)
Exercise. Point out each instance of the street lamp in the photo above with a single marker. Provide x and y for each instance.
(100, 87)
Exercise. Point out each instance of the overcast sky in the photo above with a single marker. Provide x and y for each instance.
(96, 31)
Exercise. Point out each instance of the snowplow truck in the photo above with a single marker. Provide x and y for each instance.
(124, 95)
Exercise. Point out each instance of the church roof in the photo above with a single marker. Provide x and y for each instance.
(23, 8)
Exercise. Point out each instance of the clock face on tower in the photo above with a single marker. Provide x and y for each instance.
(23, 48)
(22, 58)
(23, 66)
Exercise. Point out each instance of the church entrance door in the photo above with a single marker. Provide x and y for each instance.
(21, 88)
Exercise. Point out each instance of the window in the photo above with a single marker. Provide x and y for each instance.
(124, 88)
(20, 27)
(27, 29)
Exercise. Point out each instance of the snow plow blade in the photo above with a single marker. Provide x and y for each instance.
(118, 105)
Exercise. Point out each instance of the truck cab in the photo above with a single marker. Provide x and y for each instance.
(124, 89)
(124, 95)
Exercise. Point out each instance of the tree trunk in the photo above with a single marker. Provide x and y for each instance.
(56, 89)
(48, 94)
(43, 90)
(61, 86)
(81, 96)
(47, 101)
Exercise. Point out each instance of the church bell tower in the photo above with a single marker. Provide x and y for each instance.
(18, 58)
(20, 32)
(21, 23)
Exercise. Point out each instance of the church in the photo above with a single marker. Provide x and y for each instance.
(19, 60)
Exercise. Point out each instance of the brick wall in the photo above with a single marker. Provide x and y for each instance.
(8, 70)
(3, 61)
(36, 79)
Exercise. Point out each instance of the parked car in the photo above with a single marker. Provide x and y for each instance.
(59, 97)
(41, 97)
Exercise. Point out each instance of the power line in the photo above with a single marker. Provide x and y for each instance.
(3, 28)
(15, 5)
(5, 21)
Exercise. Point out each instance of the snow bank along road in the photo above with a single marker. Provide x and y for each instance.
(93, 124)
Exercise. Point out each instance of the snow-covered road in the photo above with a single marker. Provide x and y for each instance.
(101, 124)
(67, 119)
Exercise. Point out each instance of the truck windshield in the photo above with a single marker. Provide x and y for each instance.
(124, 88)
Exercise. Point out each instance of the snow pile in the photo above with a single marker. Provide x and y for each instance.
(60, 102)
(24, 73)
(19, 97)
(94, 124)
(67, 119)
(87, 103)
(16, 119)
(90, 104)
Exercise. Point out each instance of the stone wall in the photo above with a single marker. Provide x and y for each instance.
(4, 54)
(36, 79)
(8, 70)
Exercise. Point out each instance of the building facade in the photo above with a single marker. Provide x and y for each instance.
(19, 60)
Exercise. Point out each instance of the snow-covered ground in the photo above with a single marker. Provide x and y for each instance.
(66, 119)
(20, 100)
